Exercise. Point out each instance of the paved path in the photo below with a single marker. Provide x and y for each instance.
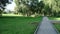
(46, 27)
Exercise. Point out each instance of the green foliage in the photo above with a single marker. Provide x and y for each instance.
(22, 7)
(29, 7)
(2, 4)
(46, 7)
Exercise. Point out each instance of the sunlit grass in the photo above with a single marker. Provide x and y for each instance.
(17, 15)
(57, 18)
(54, 18)
(11, 15)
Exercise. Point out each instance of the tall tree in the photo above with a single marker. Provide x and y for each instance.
(34, 6)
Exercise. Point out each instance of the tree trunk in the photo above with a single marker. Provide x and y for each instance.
(0, 13)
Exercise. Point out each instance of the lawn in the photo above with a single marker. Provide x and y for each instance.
(19, 25)
(54, 18)
(57, 25)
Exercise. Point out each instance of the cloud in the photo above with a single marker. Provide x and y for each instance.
(10, 6)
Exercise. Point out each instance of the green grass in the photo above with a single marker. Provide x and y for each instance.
(54, 18)
(57, 26)
(18, 25)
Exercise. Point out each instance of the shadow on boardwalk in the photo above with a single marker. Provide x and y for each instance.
(46, 27)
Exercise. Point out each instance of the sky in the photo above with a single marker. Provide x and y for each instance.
(39, 0)
(10, 6)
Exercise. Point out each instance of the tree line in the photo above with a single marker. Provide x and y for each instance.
(36, 7)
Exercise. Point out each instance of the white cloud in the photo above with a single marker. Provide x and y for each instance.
(10, 6)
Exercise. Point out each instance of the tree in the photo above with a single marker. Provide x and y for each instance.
(36, 7)
(48, 10)
(22, 6)
(40, 6)
(2, 4)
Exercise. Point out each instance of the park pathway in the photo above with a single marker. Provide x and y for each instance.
(46, 27)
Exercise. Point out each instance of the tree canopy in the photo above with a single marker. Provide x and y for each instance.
(40, 7)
